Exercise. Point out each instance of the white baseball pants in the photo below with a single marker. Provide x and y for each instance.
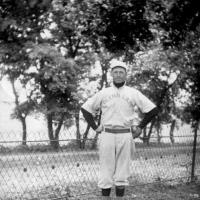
(115, 153)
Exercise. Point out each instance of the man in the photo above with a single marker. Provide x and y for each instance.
(117, 104)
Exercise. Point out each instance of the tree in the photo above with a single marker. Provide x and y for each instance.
(21, 111)
(182, 21)
(55, 78)
(15, 64)
(121, 25)
(159, 79)
(18, 22)
(70, 20)
(180, 18)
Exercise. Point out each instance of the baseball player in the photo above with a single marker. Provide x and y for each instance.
(117, 104)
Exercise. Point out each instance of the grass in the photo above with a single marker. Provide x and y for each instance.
(72, 146)
(35, 172)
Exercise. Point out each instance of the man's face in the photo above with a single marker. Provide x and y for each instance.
(118, 74)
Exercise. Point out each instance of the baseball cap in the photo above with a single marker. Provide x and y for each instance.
(117, 63)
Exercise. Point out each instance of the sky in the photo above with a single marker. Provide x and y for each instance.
(6, 85)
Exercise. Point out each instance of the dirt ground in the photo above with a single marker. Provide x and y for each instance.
(165, 192)
(157, 191)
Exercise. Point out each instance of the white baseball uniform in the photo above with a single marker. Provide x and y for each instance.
(118, 111)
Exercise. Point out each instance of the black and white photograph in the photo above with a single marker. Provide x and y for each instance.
(99, 100)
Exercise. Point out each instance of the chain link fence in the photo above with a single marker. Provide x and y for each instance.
(35, 171)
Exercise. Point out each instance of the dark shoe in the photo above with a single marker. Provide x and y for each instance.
(119, 191)
(106, 192)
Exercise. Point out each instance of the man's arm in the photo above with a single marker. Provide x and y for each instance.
(148, 117)
(89, 118)
(91, 106)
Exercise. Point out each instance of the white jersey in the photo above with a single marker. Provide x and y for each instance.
(118, 105)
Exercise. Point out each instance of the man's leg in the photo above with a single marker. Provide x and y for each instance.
(106, 191)
(123, 162)
(107, 162)
(119, 190)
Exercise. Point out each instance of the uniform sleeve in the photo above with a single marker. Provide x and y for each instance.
(93, 104)
(89, 118)
(148, 117)
(143, 103)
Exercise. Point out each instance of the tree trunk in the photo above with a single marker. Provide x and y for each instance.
(159, 137)
(85, 135)
(171, 132)
(57, 132)
(104, 79)
(158, 131)
(50, 130)
(150, 131)
(24, 132)
(78, 134)
(145, 137)
(20, 116)
(194, 151)
(54, 136)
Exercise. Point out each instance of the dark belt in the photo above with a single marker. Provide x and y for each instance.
(123, 130)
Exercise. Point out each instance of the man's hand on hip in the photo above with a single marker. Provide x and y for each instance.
(99, 128)
(136, 131)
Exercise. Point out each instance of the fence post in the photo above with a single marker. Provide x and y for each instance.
(194, 152)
